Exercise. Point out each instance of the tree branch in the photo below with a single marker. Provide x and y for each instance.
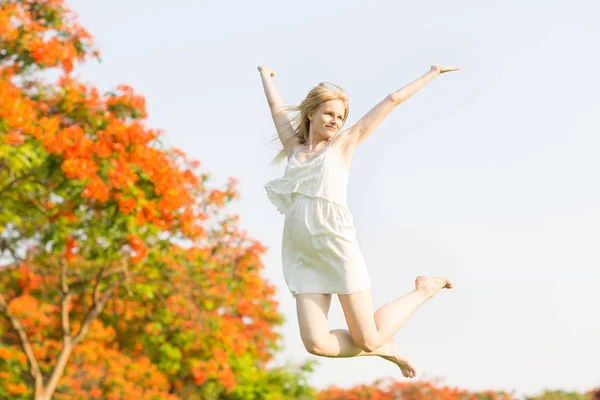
(96, 293)
(17, 179)
(5, 245)
(69, 342)
(95, 310)
(127, 279)
(34, 368)
(65, 301)
(103, 273)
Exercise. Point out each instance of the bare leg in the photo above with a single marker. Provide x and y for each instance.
(343, 346)
(371, 331)
(392, 316)
(312, 318)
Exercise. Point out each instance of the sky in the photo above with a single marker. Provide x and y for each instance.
(488, 175)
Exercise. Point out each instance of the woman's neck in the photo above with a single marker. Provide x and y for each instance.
(312, 143)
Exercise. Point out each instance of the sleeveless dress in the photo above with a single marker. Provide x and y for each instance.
(320, 252)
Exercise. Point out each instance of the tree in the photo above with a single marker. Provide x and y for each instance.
(563, 395)
(122, 276)
(390, 389)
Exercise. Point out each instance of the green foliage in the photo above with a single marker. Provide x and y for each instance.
(563, 395)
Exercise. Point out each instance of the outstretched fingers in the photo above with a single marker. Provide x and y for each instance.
(266, 70)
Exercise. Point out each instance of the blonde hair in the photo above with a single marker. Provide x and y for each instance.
(318, 95)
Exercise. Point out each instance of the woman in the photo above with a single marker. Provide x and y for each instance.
(320, 253)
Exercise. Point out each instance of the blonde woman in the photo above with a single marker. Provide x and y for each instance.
(320, 253)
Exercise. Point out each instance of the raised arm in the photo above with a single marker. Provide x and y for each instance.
(285, 131)
(371, 120)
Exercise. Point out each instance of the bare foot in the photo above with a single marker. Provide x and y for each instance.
(431, 285)
(408, 371)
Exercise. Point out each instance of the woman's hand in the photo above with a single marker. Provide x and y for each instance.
(263, 69)
(440, 70)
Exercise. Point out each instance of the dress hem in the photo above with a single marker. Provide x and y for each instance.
(294, 293)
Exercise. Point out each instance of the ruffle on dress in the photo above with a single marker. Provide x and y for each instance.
(280, 191)
(307, 178)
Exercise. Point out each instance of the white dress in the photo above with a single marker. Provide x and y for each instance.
(320, 253)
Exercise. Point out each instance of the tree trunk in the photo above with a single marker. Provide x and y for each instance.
(45, 393)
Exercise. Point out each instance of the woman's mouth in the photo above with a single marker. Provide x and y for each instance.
(330, 127)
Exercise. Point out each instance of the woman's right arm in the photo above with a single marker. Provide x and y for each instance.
(285, 131)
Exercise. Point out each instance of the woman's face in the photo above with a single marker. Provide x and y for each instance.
(327, 120)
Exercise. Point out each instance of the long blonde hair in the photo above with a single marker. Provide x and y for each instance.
(318, 95)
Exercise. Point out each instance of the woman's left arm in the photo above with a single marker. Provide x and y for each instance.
(371, 120)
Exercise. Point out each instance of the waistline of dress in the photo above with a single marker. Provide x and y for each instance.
(317, 197)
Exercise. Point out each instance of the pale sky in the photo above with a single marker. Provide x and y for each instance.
(488, 175)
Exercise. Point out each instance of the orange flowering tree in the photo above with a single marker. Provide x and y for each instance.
(389, 389)
(121, 276)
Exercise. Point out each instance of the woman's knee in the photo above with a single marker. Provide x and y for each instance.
(317, 346)
(312, 319)
(358, 310)
(368, 343)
